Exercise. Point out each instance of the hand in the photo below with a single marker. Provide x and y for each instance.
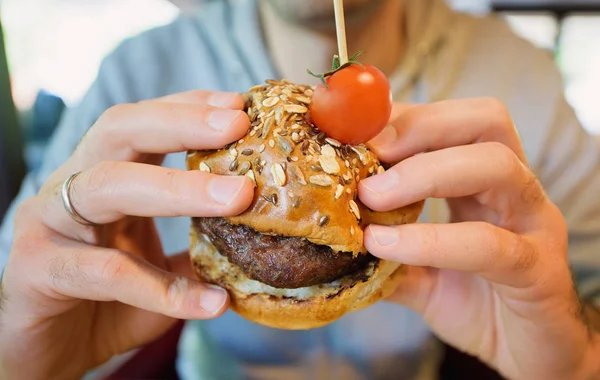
(73, 296)
(495, 282)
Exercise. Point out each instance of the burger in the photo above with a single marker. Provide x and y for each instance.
(295, 259)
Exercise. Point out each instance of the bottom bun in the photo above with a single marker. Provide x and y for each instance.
(293, 309)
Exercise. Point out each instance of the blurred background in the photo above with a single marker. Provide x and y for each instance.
(54, 49)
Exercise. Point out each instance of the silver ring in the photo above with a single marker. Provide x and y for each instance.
(66, 199)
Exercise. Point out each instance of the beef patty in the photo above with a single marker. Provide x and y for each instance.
(279, 261)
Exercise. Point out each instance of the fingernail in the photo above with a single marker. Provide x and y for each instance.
(222, 119)
(385, 137)
(384, 236)
(222, 99)
(225, 189)
(381, 183)
(213, 299)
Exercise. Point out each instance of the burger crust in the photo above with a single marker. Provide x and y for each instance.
(306, 185)
(294, 309)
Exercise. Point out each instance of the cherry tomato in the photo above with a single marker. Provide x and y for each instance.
(355, 106)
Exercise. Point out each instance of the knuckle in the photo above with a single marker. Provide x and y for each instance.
(525, 257)
(493, 104)
(505, 159)
(68, 270)
(498, 251)
(80, 269)
(519, 255)
(532, 192)
(411, 117)
(108, 124)
(144, 102)
(513, 171)
(31, 241)
(29, 236)
(497, 243)
(24, 251)
(113, 115)
(25, 212)
(498, 112)
(173, 293)
(58, 269)
(98, 178)
(25, 244)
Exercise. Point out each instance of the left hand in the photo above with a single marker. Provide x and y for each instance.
(495, 282)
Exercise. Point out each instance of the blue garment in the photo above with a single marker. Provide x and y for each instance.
(449, 56)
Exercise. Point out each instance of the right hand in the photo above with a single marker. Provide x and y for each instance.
(74, 296)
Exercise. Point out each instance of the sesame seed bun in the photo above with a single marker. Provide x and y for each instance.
(305, 187)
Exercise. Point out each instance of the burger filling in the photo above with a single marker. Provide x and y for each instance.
(279, 261)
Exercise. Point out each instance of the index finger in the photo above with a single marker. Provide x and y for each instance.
(430, 127)
(500, 182)
(179, 122)
(477, 247)
(71, 270)
(110, 191)
(146, 131)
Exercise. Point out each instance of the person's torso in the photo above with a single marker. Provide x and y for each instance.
(221, 49)
(385, 341)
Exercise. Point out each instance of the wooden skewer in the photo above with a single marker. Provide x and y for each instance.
(340, 26)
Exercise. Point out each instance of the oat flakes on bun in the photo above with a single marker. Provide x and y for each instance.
(295, 258)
